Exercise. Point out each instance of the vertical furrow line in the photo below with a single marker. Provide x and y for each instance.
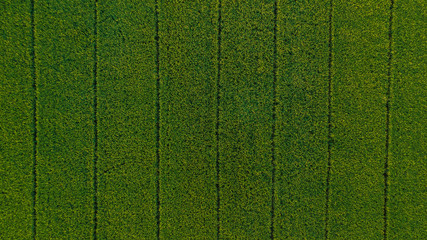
(34, 86)
(328, 174)
(218, 89)
(273, 132)
(95, 121)
(156, 16)
(387, 143)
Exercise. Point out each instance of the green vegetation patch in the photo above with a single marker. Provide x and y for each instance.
(218, 119)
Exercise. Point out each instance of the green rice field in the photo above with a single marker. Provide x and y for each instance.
(213, 119)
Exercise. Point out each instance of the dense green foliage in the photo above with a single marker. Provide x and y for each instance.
(408, 149)
(187, 119)
(245, 119)
(126, 83)
(358, 102)
(217, 119)
(302, 119)
(16, 121)
(65, 125)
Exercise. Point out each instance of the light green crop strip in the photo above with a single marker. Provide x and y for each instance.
(246, 118)
(64, 49)
(126, 115)
(360, 47)
(188, 54)
(302, 119)
(408, 123)
(16, 121)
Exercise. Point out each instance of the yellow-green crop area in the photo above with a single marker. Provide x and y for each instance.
(213, 119)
